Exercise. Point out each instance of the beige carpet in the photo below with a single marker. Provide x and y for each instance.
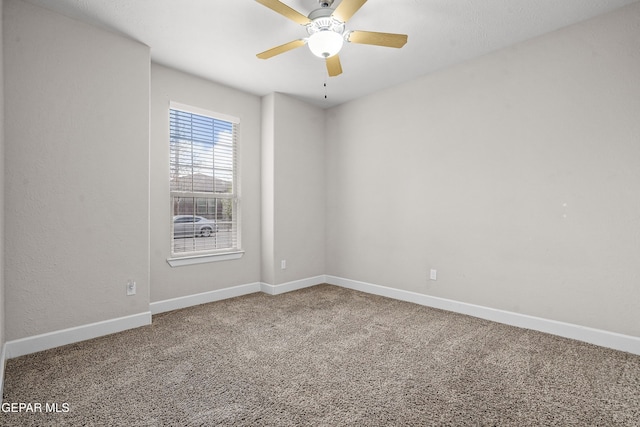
(326, 356)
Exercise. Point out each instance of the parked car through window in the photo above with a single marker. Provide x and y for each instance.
(193, 226)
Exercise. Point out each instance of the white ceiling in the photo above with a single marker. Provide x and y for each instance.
(218, 39)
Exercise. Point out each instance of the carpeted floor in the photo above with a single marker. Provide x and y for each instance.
(325, 356)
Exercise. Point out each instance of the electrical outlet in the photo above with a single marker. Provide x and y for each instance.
(131, 287)
(433, 274)
(283, 264)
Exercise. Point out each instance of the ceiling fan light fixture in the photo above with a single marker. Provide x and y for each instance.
(325, 44)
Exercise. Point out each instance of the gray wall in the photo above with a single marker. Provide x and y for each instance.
(293, 189)
(171, 85)
(516, 176)
(268, 224)
(76, 172)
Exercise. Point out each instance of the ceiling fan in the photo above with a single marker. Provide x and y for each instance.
(327, 32)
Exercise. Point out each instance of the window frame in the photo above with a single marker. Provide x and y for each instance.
(208, 255)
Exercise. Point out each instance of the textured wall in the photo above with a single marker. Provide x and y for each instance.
(77, 172)
(516, 175)
(267, 183)
(293, 209)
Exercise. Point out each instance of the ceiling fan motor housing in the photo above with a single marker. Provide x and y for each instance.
(321, 20)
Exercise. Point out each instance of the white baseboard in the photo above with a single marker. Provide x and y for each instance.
(232, 292)
(567, 330)
(293, 285)
(46, 341)
(204, 297)
(36, 343)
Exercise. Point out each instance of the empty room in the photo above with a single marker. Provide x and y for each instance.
(308, 212)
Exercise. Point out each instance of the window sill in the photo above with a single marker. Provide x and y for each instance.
(201, 259)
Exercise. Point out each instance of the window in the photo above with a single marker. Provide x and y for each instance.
(203, 182)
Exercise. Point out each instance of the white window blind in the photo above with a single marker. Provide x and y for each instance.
(203, 181)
